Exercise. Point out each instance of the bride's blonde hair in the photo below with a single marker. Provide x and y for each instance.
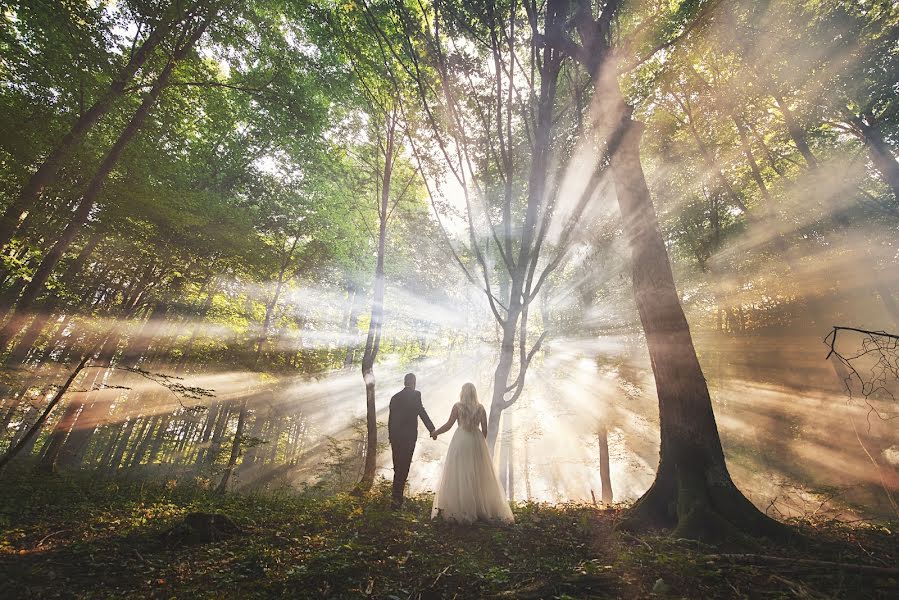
(469, 407)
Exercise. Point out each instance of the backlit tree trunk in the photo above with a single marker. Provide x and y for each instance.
(693, 491)
(797, 132)
(27, 439)
(879, 151)
(605, 477)
(373, 339)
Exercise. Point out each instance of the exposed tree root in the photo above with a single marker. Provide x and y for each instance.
(762, 559)
(702, 507)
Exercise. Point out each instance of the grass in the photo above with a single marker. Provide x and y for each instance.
(81, 536)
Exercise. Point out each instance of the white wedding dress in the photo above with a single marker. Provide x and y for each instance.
(469, 489)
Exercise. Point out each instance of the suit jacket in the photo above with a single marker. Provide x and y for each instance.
(405, 410)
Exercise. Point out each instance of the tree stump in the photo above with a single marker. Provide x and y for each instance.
(202, 528)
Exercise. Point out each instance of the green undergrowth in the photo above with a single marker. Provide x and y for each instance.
(82, 536)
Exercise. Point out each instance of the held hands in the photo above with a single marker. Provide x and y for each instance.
(434, 434)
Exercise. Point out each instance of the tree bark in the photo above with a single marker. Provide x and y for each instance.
(501, 380)
(693, 491)
(373, 339)
(605, 477)
(879, 152)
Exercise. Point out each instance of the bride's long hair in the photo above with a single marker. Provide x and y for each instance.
(469, 407)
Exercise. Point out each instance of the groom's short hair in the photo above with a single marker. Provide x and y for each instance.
(409, 380)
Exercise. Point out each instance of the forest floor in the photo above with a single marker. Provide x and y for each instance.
(83, 536)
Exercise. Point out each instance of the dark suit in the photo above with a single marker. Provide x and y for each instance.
(402, 429)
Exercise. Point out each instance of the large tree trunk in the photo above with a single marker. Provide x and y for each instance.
(879, 152)
(46, 173)
(693, 491)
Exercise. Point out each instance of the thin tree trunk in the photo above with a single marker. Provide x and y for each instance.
(750, 157)
(33, 430)
(159, 437)
(605, 477)
(707, 157)
(91, 194)
(46, 173)
(797, 133)
(69, 439)
(221, 424)
(235, 447)
(112, 441)
(20, 350)
(373, 339)
(258, 431)
(501, 380)
(143, 442)
(352, 322)
(211, 418)
(266, 323)
(116, 459)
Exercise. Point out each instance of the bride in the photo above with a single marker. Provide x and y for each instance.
(469, 489)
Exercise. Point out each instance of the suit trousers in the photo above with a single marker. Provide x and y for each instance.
(402, 460)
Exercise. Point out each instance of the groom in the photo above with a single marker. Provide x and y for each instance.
(402, 429)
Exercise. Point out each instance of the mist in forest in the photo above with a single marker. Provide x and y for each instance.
(229, 327)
